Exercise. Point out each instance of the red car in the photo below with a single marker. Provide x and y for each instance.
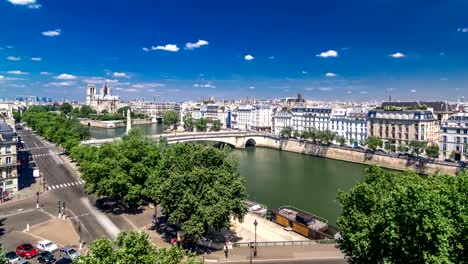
(26, 251)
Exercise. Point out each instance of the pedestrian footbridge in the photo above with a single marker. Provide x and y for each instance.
(236, 139)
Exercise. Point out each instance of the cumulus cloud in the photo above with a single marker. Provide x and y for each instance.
(52, 33)
(13, 58)
(206, 85)
(271, 57)
(304, 72)
(23, 2)
(363, 92)
(464, 30)
(131, 90)
(325, 89)
(196, 45)
(248, 57)
(252, 87)
(167, 47)
(65, 76)
(112, 81)
(330, 74)
(60, 83)
(348, 92)
(148, 85)
(45, 73)
(120, 75)
(328, 53)
(36, 58)
(413, 91)
(34, 6)
(397, 55)
(17, 72)
(2, 77)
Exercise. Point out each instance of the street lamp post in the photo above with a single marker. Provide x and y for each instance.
(59, 212)
(255, 249)
(37, 200)
(79, 234)
(63, 209)
(251, 249)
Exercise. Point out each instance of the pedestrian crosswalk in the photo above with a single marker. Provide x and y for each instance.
(45, 154)
(43, 147)
(65, 185)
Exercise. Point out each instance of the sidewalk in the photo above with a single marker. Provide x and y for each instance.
(58, 230)
(318, 251)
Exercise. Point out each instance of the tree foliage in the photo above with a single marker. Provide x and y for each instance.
(189, 124)
(133, 247)
(170, 118)
(197, 186)
(201, 124)
(16, 116)
(3, 258)
(432, 151)
(58, 128)
(417, 147)
(374, 142)
(216, 125)
(341, 141)
(65, 108)
(401, 217)
(286, 132)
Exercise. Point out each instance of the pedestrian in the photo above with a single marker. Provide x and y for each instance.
(226, 250)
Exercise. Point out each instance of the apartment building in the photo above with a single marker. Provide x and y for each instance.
(254, 117)
(8, 159)
(310, 118)
(403, 126)
(350, 123)
(454, 137)
(282, 119)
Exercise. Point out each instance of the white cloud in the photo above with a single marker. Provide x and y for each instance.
(60, 83)
(207, 85)
(196, 45)
(325, 89)
(22, 2)
(348, 92)
(168, 47)
(248, 57)
(397, 55)
(17, 72)
(304, 72)
(148, 85)
(309, 88)
(464, 30)
(36, 58)
(120, 75)
(131, 90)
(65, 76)
(112, 81)
(118, 89)
(9, 47)
(145, 49)
(252, 87)
(52, 33)
(413, 91)
(17, 85)
(13, 58)
(271, 57)
(328, 53)
(45, 73)
(2, 77)
(34, 6)
(330, 74)
(363, 92)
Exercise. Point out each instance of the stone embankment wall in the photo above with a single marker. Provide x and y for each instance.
(357, 156)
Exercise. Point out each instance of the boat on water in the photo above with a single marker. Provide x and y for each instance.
(304, 223)
(256, 208)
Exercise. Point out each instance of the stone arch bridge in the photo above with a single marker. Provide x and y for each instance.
(234, 139)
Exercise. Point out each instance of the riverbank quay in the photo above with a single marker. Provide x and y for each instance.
(110, 124)
(240, 139)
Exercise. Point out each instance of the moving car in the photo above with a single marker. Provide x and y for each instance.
(26, 251)
(46, 257)
(12, 257)
(47, 245)
(69, 253)
(36, 173)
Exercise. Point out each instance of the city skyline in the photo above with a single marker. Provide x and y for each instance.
(358, 51)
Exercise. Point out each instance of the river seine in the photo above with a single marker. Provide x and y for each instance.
(277, 178)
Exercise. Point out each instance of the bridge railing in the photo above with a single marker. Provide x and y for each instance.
(286, 243)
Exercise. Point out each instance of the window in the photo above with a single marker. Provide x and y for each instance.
(8, 160)
(444, 147)
(8, 149)
(444, 138)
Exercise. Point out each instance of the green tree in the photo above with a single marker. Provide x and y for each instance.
(351, 141)
(86, 111)
(188, 122)
(286, 132)
(374, 143)
(170, 118)
(3, 259)
(401, 217)
(326, 136)
(201, 124)
(402, 148)
(296, 134)
(216, 126)
(123, 110)
(133, 247)
(17, 116)
(432, 151)
(65, 108)
(417, 147)
(341, 141)
(198, 187)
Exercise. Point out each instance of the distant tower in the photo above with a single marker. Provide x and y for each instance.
(105, 90)
(390, 98)
(129, 122)
(90, 93)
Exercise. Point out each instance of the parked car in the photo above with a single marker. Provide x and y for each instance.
(26, 251)
(23, 261)
(46, 257)
(69, 253)
(63, 261)
(12, 257)
(47, 245)
(449, 160)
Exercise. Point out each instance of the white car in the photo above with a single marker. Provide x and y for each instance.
(46, 245)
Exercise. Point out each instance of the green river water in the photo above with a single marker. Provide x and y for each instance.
(277, 178)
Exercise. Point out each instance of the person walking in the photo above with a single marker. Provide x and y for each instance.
(226, 250)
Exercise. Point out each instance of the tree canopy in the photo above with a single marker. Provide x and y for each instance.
(286, 132)
(216, 125)
(133, 247)
(170, 118)
(373, 142)
(417, 147)
(65, 108)
(432, 151)
(401, 217)
(188, 122)
(196, 185)
(201, 124)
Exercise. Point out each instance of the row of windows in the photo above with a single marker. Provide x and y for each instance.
(457, 139)
(457, 131)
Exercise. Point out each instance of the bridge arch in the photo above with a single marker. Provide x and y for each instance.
(250, 142)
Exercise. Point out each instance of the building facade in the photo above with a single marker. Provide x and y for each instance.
(310, 118)
(104, 101)
(403, 126)
(454, 137)
(282, 119)
(8, 159)
(349, 123)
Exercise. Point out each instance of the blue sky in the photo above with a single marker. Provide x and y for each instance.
(180, 50)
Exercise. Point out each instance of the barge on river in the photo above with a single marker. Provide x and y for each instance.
(304, 223)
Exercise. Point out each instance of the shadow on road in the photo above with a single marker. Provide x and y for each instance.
(2, 230)
(115, 206)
